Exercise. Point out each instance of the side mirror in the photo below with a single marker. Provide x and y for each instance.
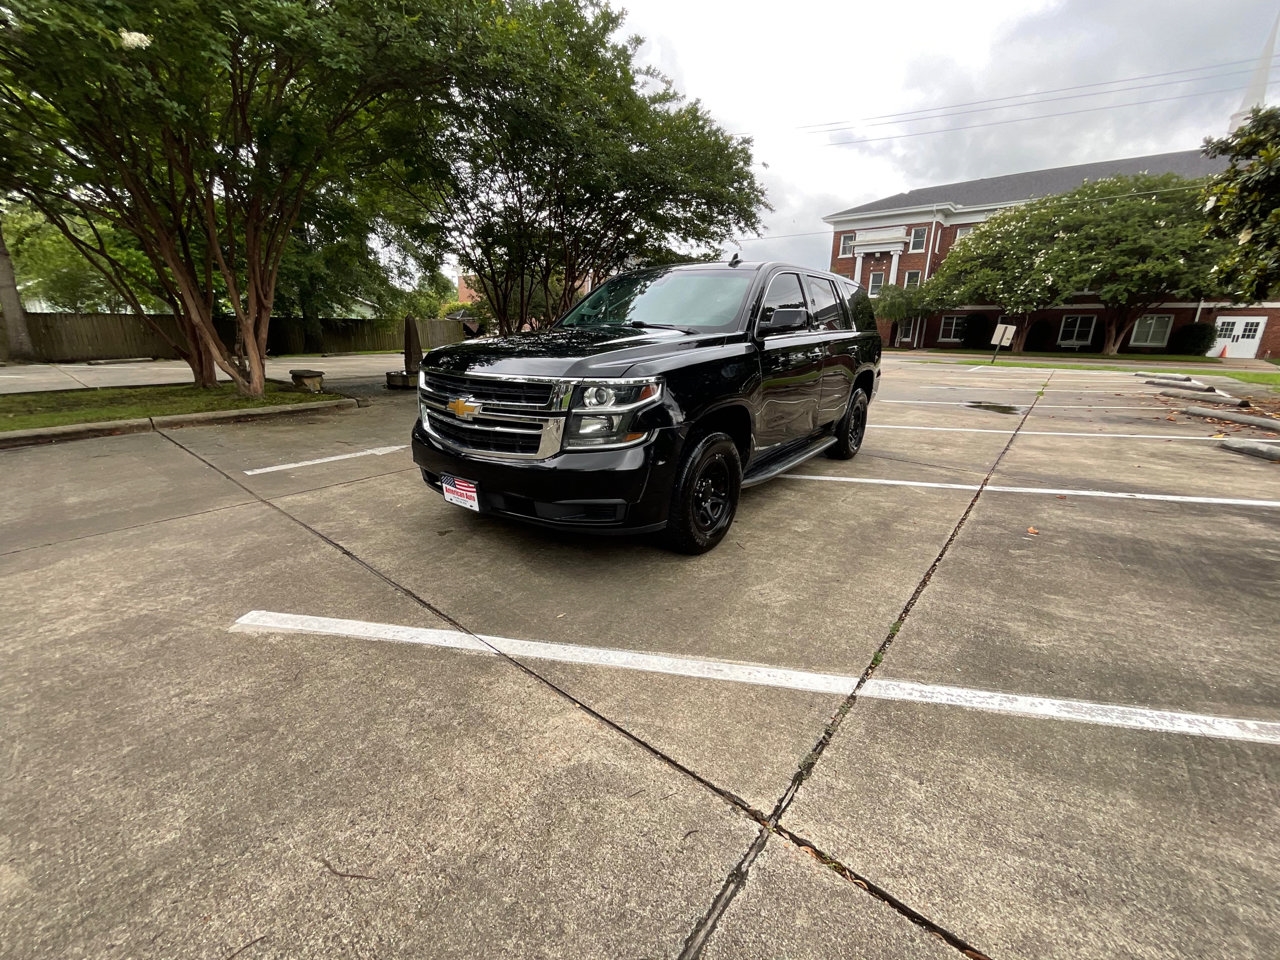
(784, 319)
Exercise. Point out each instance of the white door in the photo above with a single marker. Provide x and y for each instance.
(1238, 337)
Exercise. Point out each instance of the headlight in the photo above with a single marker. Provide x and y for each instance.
(604, 414)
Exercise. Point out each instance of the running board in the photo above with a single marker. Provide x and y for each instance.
(812, 450)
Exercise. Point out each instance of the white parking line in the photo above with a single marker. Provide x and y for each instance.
(372, 452)
(993, 488)
(1080, 711)
(1052, 433)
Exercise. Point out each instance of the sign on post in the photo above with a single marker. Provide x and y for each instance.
(1002, 337)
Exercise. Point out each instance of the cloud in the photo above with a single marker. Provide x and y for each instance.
(1073, 44)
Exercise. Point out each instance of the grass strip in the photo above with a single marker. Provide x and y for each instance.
(59, 408)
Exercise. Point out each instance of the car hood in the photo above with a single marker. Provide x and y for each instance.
(577, 352)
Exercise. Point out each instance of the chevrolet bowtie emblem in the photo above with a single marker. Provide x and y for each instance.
(462, 408)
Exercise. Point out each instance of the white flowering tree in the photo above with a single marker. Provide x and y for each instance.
(1127, 242)
(201, 129)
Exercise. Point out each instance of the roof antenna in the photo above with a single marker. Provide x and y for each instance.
(735, 259)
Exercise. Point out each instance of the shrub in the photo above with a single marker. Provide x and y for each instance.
(1193, 340)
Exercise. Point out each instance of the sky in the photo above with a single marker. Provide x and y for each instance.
(803, 78)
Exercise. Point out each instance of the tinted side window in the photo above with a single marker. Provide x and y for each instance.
(784, 293)
(826, 304)
(859, 306)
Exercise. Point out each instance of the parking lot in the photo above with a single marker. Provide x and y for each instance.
(1005, 683)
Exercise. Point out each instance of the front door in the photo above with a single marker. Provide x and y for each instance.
(1238, 337)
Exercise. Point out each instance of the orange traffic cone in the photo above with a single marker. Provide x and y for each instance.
(1223, 354)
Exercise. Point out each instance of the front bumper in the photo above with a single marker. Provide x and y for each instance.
(607, 491)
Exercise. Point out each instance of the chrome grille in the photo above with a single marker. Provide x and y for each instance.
(444, 387)
(487, 436)
(500, 417)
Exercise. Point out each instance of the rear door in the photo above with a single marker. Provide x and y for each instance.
(790, 369)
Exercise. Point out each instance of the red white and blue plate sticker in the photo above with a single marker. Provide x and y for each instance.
(459, 491)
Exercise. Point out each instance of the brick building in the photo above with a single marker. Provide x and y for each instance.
(902, 239)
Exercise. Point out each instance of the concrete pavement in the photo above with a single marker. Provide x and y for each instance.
(176, 788)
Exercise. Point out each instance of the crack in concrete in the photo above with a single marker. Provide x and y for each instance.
(737, 804)
(738, 877)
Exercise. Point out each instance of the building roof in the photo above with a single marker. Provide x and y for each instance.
(1016, 187)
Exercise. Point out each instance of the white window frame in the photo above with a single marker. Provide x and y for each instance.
(962, 232)
(906, 331)
(957, 320)
(873, 288)
(1153, 317)
(1076, 341)
(906, 279)
(846, 245)
(921, 234)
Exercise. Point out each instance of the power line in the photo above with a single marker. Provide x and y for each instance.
(1043, 116)
(1033, 103)
(1038, 93)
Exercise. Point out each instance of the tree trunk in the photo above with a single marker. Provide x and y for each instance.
(204, 372)
(1116, 326)
(1022, 326)
(15, 339)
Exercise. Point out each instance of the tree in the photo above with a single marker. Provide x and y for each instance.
(1000, 263)
(580, 164)
(896, 303)
(202, 129)
(1243, 204)
(1128, 242)
(49, 268)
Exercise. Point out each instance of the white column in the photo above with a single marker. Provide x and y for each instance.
(893, 267)
(857, 268)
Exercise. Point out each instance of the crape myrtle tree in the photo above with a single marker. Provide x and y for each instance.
(580, 164)
(1243, 205)
(1128, 242)
(1001, 263)
(201, 129)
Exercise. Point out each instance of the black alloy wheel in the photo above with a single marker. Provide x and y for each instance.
(711, 497)
(851, 428)
(705, 497)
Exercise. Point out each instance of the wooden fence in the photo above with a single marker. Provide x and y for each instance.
(75, 338)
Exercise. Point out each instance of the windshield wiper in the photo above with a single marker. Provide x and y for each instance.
(643, 324)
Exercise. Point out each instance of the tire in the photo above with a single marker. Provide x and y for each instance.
(851, 428)
(705, 498)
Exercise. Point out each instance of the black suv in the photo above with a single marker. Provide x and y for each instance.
(650, 404)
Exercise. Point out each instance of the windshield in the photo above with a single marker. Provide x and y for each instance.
(684, 299)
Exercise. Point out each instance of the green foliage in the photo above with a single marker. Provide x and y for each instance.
(1243, 204)
(578, 163)
(1130, 242)
(1193, 339)
(51, 269)
(202, 130)
(900, 303)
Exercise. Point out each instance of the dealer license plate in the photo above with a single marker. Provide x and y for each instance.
(459, 491)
